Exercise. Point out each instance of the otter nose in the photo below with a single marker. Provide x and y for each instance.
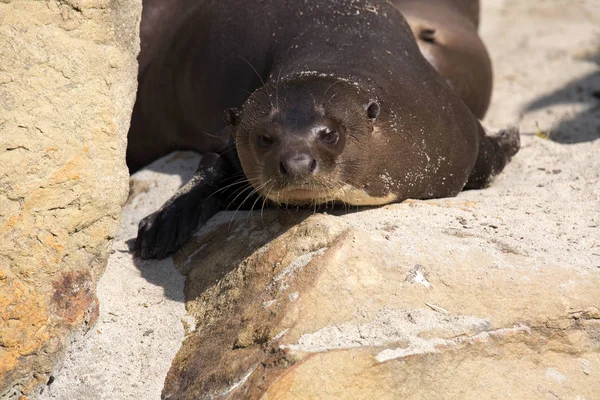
(297, 165)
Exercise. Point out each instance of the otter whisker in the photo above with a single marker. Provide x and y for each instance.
(255, 201)
(259, 77)
(225, 150)
(211, 135)
(265, 198)
(327, 90)
(254, 191)
(246, 91)
(241, 190)
(238, 182)
(250, 180)
(234, 176)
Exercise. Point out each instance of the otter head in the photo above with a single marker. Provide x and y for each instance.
(297, 142)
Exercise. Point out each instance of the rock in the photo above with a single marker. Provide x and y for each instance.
(67, 85)
(142, 306)
(322, 306)
(486, 295)
(492, 294)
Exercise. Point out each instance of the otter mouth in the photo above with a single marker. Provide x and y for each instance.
(302, 195)
(310, 195)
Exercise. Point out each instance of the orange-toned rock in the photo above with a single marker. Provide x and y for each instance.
(67, 84)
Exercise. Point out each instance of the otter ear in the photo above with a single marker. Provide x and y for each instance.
(232, 116)
(373, 109)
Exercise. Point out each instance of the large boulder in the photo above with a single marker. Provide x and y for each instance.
(139, 329)
(67, 85)
(493, 294)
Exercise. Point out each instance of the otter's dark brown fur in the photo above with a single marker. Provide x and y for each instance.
(326, 101)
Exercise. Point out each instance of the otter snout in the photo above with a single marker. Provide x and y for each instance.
(297, 165)
(296, 154)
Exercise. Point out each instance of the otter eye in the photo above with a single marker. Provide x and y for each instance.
(329, 137)
(264, 141)
(427, 35)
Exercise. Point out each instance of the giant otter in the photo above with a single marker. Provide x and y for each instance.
(325, 102)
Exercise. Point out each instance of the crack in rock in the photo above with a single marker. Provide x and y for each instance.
(389, 326)
(422, 346)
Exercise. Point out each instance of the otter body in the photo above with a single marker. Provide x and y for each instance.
(446, 32)
(326, 101)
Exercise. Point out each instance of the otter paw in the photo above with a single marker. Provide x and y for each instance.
(165, 231)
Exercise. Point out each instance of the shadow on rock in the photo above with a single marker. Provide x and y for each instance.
(182, 163)
(243, 280)
(212, 247)
(217, 249)
(583, 126)
(230, 237)
(159, 273)
(156, 183)
(149, 189)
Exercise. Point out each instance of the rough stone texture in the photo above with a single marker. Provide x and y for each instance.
(67, 85)
(513, 265)
(139, 328)
(493, 294)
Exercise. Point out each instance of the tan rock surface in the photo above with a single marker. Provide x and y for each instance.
(514, 267)
(493, 294)
(139, 330)
(67, 81)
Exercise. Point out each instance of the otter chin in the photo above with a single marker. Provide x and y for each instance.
(298, 195)
(344, 194)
